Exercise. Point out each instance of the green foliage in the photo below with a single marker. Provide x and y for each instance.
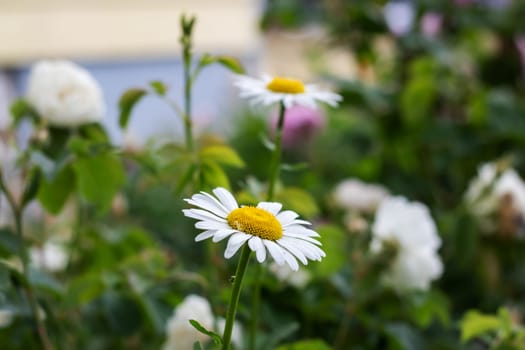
(306, 345)
(127, 101)
(216, 338)
(99, 178)
(53, 193)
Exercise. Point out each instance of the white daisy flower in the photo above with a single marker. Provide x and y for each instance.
(263, 228)
(269, 90)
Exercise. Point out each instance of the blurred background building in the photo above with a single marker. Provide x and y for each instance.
(128, 43)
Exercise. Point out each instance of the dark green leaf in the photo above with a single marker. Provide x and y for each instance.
(9, 242)
(99, 178)
(216, 338)
(280, 334)
(127, 102)
(43, 281)
(33, 183)
(404, 337)
(53, 193)
(122, 312)
(197, 346)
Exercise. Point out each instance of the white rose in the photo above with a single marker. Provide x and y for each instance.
(65, 94)
(414, 232)
(353, 194)
(181, 335)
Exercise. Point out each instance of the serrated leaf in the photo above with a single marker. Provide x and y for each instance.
(53, 193)
(126, 103)
(475, 324)
(221, 155)
(217, 339)
(99, 178)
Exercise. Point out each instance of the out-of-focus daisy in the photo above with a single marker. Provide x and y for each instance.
(263, 228)
(269, 90)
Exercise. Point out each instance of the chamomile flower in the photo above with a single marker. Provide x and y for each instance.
(269, 90)
(265, 228)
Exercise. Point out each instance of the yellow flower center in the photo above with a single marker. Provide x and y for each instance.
(256, 222)
(286, 85)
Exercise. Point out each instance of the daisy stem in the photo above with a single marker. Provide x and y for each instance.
(276, 157)
(234, 299)
(24, 256)
(187, 24)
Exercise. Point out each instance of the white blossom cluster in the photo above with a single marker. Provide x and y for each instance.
(181, 335)
(409, 226)
(488, 191)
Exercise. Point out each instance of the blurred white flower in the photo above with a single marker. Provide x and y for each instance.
(353, 194)
(65, 94)
(51, 257)
(237, 332)
(181, 335)
(284, 273)
(411, 228)
(6, 317)
(489, 190)
(399, 16)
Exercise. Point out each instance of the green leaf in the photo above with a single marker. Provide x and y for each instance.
(213, 176)
(31, 189)
(475, 324)
(197, 346)
(127, 102)
(298, 200)
(185, 179)
(21, 109)
(333, 240)
(216, 338)
(122, 312)
(281, 333)
(229, 62)
(417, 99)
(429, 306)
(294, 167)
(159, 87)
(99, 178)
(9, 242)
(221, 155)
(44, 281)
(53, 193)
(404, 337)
(313, 344)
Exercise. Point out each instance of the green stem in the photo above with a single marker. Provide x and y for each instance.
(187, 99)
(234, 299)
(24, 256)
(276, 156)
(274, 176)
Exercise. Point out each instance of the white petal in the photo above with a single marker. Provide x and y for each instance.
(204, 235)
(207, 202)
(226, 198)
(290, 260)
(200, 214)
(234, 243)
(286, 217)
(212, 225)
(275, 251)
(288, 245)
(302, 230)
(271, 207)
(298, 223)
(300, 236)
(256, 245)
(222, 234)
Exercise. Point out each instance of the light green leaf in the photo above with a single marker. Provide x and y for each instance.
(229, 62)
(222, 155)
(212, 176)
(216, 338)
(99, 178)
(298, 200)
(333, 240)
(475, 323)
(126, 103)
(53, 193)
(21, 109)
(159, 87)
